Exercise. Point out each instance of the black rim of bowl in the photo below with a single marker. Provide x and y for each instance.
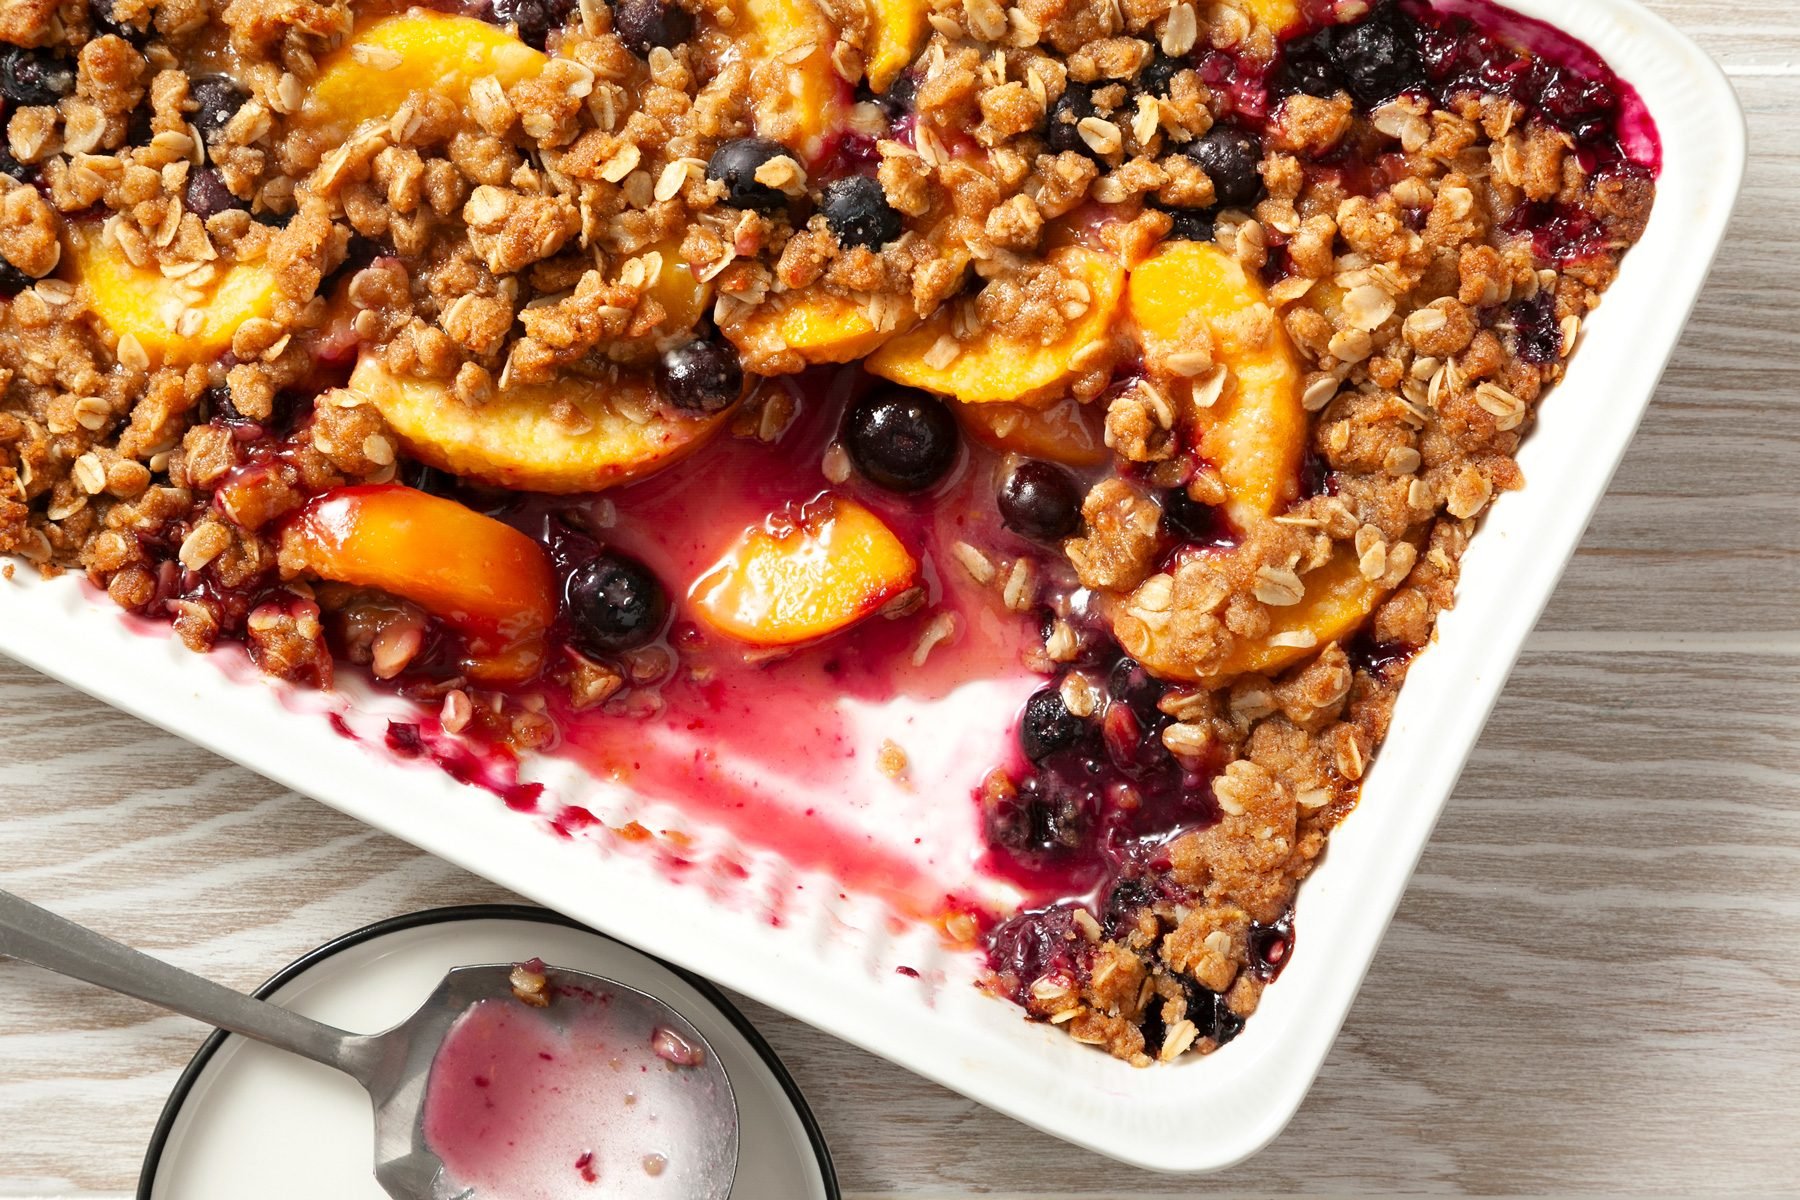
(478, 912)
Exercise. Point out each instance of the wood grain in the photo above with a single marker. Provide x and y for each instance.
(1591, 985)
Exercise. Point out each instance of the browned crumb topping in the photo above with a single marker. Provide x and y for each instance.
(531, 232)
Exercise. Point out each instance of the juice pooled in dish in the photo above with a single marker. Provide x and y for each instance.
(998, 458)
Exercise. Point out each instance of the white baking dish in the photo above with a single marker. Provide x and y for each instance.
(830, 961)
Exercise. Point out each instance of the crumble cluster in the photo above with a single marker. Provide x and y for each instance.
(1430, 256)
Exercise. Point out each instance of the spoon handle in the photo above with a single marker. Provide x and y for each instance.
(36, 935)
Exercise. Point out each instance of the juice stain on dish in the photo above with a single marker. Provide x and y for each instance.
(782, 747)
(524, 1105)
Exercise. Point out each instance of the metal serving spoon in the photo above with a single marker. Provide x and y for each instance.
(393, 1067)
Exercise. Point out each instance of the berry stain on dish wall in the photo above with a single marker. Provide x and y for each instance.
(1004, 457)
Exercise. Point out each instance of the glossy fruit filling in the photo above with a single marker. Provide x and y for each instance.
(807, 570)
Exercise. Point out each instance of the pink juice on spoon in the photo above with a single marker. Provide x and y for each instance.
(585, 1098)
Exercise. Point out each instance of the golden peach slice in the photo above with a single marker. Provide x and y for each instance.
(819, 326)
(800, 578)
(990, 368)
(574, 435)
(176, 321)
(684, 298)
(392, 59)
(1278, 15)
(898, 29)
(800, 98)
(1336, 603)
(485, 579)
(1067, 432)
(1254, 433)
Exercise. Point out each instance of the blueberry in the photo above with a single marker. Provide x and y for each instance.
(217, 401)
(101, 13)
(1208, 1010)
(614, 604)
(1188, 519)
(1060, 128)
(1040, 501)
(1230, 158)
(1048, 726)
(12, 168)
(138, 129)
(1191, 225)
(219, 97)
(1379, 57)
(735, 165)
(1538, 332)
(858, 214)
(12, 280)
(1124, 901)
(207, 195)
(1307, 66)
(901, 439)
(702, 376)
(644, 25)
(1047, 818)
(33, 76)
(1157, 74)
(1128, 683)
(898, 100)
(533, 18)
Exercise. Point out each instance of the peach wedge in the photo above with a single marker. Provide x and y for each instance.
(176, 321)
(801, 98)
(391, 59)
(574, 435)
(898, 29)
(990, 368)
(486, 580)
(1255, 431)
(1336, 602)
(819, 326)
(1068, 431)
(800, 578)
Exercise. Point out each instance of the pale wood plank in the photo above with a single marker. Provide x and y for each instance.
(1590, 984)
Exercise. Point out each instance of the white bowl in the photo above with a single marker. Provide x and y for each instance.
(830, 960)
(245, 1119)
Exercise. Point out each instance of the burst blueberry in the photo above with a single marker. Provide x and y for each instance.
(1187, 518)
(901, 439)
(1062, 126)
(735, 165)
(534, 19)
(1157, 74)
(33, 77)
(614, 603)
(1047, 726)
(12, 280)
(1191, 225)
(858, 214)
(1379, 57)
(1306, 66)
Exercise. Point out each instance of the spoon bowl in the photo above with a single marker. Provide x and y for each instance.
(614, 1060)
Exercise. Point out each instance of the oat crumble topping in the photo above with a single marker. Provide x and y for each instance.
(1277, 292)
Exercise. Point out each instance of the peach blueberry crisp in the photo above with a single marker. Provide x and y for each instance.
(581, 369)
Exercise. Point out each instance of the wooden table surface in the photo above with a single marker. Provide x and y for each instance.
(1593, 984)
